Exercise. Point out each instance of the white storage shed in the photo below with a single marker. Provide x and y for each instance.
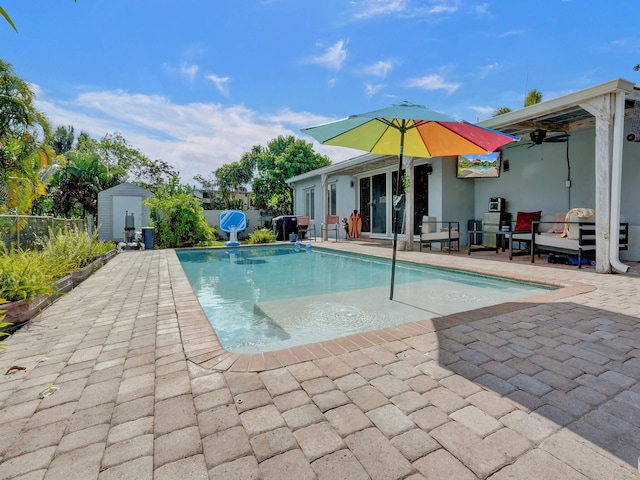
(114, 203)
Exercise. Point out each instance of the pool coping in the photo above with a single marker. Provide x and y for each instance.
(202, 346)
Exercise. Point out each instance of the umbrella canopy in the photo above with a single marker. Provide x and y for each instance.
(426, 133)
(411, 129)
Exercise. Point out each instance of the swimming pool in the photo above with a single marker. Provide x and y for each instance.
(266, 298)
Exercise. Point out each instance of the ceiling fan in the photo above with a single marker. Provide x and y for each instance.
(539, 136)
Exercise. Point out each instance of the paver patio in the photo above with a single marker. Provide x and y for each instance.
(545, 388)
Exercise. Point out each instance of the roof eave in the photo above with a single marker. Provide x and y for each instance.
(550, 106)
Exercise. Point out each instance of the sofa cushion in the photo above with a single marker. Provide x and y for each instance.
(524, 219)
(429, 224)
(558, 223)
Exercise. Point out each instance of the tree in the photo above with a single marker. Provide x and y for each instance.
(283, 158)
(23, 149)
(230, 178)
(501, 110)
(76, 185)
(8, 18)
(153, 174)
(63, 140)
(177, 217)
(531, 98)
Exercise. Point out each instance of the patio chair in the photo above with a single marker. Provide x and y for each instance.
(304, 228)
(331, 224)
(433, 231)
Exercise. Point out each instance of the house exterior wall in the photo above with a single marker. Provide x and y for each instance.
(536, 180)
(537, 176)
(346, 198)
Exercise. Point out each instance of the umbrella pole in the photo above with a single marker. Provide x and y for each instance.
(395, 212)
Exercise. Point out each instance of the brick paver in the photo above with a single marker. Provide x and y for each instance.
(549, 389)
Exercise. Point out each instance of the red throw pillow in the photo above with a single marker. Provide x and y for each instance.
(524, 219)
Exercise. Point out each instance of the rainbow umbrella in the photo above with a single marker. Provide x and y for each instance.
(406, 128)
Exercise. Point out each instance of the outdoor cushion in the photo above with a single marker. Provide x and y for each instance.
(429, 224)
(558, 223)
(524, 219)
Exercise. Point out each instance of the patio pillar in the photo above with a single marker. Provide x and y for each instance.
(408, 205)
(324, 180)
(601, 108)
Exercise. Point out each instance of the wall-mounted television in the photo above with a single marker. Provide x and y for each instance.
(479, 165)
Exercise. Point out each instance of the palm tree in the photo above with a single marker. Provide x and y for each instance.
(77, 184)
(531, 98)
(23, 151)
(534, 96)
(8, 18)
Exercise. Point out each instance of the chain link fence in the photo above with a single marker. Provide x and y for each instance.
(23, 231)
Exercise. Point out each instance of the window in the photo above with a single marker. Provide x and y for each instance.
(309, 203)
(332, 199)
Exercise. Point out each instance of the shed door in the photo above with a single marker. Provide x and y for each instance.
(122, 205)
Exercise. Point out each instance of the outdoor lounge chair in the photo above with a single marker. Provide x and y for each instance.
(432, 231)
(332, 224)
(304, 228)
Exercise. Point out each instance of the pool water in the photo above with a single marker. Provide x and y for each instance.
(266, 298)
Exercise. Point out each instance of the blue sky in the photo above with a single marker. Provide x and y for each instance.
(199, 82)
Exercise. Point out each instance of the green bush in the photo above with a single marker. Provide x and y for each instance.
(2, 323)
(70, 249)
(178, 220)
(262, 235)
(24, 274)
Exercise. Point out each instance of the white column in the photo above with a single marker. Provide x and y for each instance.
(601, 108)
(408, 206)
(616, 183)
(324, 180)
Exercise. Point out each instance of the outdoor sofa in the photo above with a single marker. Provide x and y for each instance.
(566, 234)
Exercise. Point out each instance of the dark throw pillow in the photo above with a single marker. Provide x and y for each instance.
(524, 219)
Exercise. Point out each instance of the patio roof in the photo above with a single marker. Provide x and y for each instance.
(562, 114)
(353, 166)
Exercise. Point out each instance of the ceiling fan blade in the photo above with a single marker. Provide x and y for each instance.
(557, 139)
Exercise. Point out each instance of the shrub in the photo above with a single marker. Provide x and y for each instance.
(2, 323)
(262, 235)
(178, 220)
(71, 249)
(24, 274)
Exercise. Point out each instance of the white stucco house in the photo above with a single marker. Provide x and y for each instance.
(573, 153)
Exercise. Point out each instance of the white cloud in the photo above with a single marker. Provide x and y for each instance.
(489, 69)
(374, 8)
(189, 71)
(482, 112)
(333, 57)
(481, 8)
(512, 33)
(194, 138)
(443, 8)
(433, 82)
(371, 90)
(379, 69)
(221, 84)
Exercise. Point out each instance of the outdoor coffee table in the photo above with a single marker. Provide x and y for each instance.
(501, 238)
